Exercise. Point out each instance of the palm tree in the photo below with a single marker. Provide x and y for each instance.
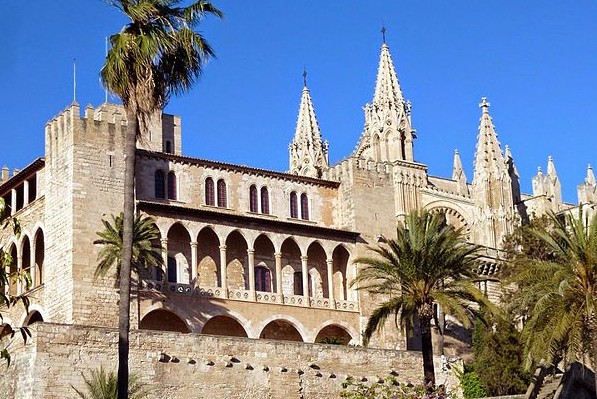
(147, 254)
(428, 262)
(102, 385)
(563, 322)
(157, 54)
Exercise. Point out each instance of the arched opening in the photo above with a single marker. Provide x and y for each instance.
(318, 275)
(224, 325)
(264, 200)
(210, 197)
(304, 207)
(12, 271)
(292, 281)
(40, 251)
(159, 185)
(333, 334)
(340, 257)
(172, 187)
(179, 255)
(163, 320)
(168, 147)
(265, 279)
(237, 271)
(222, 194)
(293, 205)
(281, 330)
(26, 260)
(32, 318)
(153, 273)
(208, 258)
(253, 206)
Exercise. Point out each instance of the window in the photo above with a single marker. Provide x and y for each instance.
(304, 207)
(32, 188)
(172, 272)
(293, 205)
(253, 198)
(160, 190)
(171, 186)
(263, 279)
(210, 198)
(168, 147)
(298, 283)
(264, 200)
(222, 203)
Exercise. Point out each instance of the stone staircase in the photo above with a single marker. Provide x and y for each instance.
(550, 386)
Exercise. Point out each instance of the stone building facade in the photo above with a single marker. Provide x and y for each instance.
(248, 252)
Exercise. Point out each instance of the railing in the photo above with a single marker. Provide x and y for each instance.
(246, 295)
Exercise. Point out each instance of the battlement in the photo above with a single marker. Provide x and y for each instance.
(347, 165)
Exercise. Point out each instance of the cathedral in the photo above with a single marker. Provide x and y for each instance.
(258, 255)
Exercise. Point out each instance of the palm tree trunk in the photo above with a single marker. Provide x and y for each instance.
(427, 348)
(594, 339)
(127, 249)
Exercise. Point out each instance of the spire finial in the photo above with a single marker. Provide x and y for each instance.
(305, 77)
(484, 104)
(383, 34)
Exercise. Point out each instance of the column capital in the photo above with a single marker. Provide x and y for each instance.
(329, 261)
(222, 247)
(278, 255)
(164, 241)
(194, 244)
(304, 258)
(250, 251)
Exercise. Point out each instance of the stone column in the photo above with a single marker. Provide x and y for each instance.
(251, 256)
(164, 260)
(279, 293)
(19, 271)
(33, 267)
(305, 274)
(13, 201)
(25, 193)
(330, 265)
(194, 278)
(223, 282)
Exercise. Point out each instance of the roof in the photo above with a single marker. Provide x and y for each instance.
(24, 174)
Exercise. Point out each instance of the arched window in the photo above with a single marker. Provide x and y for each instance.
(263, 279)
(160, 189)
(210, 197)
(253, 198)
(293, 205)
(304, 207)
(222, 201)
(172, 270)
(264, 200)
(168, 147)
(171, 186)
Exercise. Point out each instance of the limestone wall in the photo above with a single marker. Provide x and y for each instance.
(199, 366)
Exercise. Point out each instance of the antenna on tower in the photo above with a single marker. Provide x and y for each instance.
(74, 80)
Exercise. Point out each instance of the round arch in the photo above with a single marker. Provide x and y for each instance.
(331, 330)
(281, 327)
(224, 325)
(32, 317)
(163, 320)
(454, 215)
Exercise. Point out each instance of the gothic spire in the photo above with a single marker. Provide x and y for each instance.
(387, 87)
(587, 191)
(308, 152)
(590, 176)
(489, 161)
(458, 174)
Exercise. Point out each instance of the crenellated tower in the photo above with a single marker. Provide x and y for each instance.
(308, 152)
(492, 186)
(388, 135)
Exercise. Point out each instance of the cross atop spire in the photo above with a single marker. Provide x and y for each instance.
(383, 34)
(484, 104)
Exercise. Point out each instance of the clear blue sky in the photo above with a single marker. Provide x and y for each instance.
(536, 61)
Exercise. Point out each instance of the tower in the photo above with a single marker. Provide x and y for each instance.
(492, 186)
(388, 135)
(549, 186)
(308, 152)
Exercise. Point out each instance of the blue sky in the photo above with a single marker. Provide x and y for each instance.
(535, 60)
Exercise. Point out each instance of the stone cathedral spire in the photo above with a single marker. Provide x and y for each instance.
(308, 152)
(492, 185)
(388, 135)
(587, 191)
(458, 175)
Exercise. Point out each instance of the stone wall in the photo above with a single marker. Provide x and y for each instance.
(178, 365)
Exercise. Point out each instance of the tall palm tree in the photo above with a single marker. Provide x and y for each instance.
(428, 262)
(147, 255)
(563, 322)
(157, 54)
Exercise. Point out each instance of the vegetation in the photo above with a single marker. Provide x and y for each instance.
(156, 55)
(471, 384)
(429, 262)
(7, 278)
(146, 249)
(391, 389)
(105, 386)
(332, 341)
